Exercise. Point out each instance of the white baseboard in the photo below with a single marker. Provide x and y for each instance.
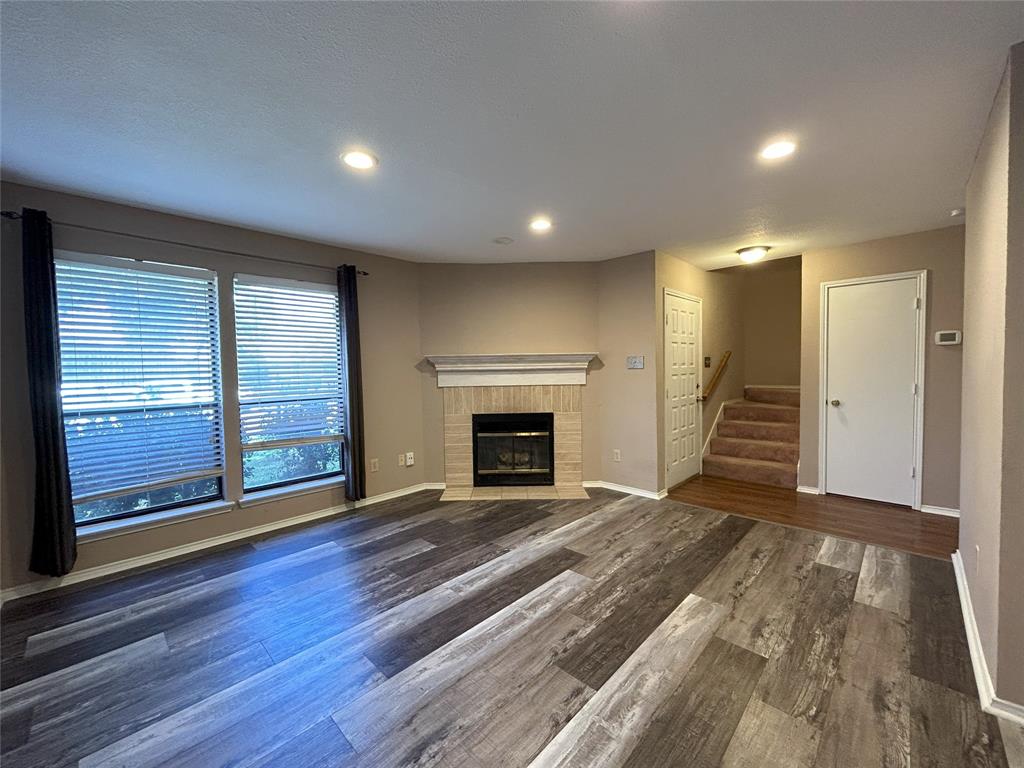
(99, 571)
(809, 489)
(1008, 710)
(712, 431)
(946, 511)
(625, 489)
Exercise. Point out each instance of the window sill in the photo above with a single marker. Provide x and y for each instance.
(109, 529)
(287, 491)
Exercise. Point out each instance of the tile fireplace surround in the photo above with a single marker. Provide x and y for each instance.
(475, 384)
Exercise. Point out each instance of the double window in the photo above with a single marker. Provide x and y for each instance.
(141, 384)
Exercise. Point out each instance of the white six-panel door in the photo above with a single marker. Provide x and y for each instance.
(873, 336)
(682, 388)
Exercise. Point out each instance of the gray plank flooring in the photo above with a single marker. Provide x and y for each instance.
(611, 631)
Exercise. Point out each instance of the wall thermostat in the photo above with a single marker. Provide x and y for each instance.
(948, 338)
(635, 361)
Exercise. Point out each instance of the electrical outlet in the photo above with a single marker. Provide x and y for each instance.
(375, 465)
(401, 459)
(616, 454)
(410, 459)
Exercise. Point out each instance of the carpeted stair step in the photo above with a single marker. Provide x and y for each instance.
(744, 410)
(760, 430)
(764, 450)
(774, 395)
(751, 470)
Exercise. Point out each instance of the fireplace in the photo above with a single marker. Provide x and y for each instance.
(513, 449)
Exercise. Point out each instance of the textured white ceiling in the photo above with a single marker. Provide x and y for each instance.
(635, 126)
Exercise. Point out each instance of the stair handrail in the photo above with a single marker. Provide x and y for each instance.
(716, 377)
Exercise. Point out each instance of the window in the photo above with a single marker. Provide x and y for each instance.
(140, 385)
(289, 381)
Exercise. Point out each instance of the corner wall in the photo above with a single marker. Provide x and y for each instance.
(390, 353)
(602, 307)
(941, 252)
(992, 493)
(627, 407)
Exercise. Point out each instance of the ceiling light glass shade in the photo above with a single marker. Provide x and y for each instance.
(361, 161)
(778, 149)
(755, 253)
(540, 224)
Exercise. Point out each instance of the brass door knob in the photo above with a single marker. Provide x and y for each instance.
(835, 403)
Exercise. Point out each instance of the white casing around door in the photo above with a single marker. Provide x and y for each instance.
(682, 388)
(872, 363)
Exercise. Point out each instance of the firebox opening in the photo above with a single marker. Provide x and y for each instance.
(513, 449)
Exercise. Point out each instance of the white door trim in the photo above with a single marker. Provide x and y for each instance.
(664, 375)
(921, 275)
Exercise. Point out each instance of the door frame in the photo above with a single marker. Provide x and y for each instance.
(921, 276)
(666, 292)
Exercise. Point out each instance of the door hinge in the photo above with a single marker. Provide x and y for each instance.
(917, 303)
(913, 472)
(913, 389)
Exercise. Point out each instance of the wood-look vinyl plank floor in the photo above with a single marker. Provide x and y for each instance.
(591, 633)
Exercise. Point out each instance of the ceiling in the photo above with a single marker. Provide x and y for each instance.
(635, 126)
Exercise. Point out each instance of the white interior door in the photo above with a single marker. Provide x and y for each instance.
(682, 388)
(873, 344)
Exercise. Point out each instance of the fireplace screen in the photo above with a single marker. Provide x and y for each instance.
(513, 449)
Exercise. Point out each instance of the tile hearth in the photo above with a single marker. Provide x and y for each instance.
(507, 493)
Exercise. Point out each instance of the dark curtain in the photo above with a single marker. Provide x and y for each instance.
(355, 469)
(54, 545)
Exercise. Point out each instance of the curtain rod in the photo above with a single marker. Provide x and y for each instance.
(15, 215)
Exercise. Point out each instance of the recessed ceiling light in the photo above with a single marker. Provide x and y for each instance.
(358, 159)
(778, 149)
(753, 253)
(956, 212)
(502, 240)
(540, 224)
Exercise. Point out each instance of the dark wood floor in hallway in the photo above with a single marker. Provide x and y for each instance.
(871, 522)
(613, 631)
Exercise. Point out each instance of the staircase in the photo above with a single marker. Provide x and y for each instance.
(758, 439)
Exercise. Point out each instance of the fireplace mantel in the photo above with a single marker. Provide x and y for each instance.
(510, 370)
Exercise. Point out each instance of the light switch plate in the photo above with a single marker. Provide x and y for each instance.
(401, 459)
(375, 465)
(635, 361)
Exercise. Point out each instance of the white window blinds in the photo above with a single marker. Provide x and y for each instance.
(289, 377)
(141, 386)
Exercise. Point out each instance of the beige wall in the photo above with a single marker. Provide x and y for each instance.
(506, 308)
(941, 252)
(627, 397)
(771, 322)
(992, 493)
(721, 293)
(390, 355)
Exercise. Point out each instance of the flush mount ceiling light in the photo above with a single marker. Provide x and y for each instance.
(358, 159)
(540, 224)
(778, 149)
(753, 253)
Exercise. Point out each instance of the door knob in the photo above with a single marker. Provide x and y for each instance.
(835, 403)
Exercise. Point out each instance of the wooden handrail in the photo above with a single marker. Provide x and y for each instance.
(716, 377)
